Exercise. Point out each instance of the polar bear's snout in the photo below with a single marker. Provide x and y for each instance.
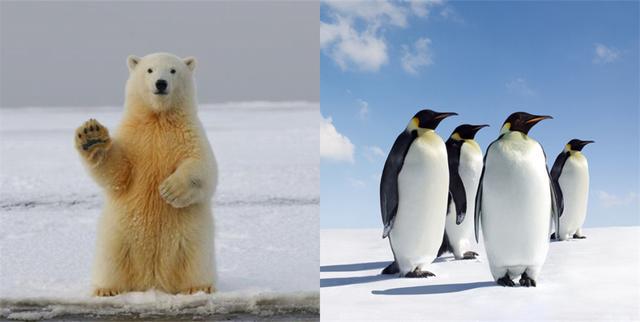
(161, 87)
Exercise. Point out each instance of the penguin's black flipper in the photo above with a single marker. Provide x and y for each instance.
(389, 180)
(555, 203)
(456, 187)
(556, 170)
(478, 210)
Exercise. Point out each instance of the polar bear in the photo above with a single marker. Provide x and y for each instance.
(158, 173)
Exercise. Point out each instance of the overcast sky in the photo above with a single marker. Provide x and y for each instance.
(74, 54)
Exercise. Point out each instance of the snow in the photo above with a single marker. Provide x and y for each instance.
(266, 214)
(592, 279)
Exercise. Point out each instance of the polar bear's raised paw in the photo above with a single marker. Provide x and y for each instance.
(92, 140)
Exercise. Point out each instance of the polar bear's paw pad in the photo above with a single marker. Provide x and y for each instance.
(91, 134)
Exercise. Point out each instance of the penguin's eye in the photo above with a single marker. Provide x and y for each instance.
(149, 70)
(173, 71)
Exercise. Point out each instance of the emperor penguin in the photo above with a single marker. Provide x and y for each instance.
(465, 167)
(515, 203)
(570, 177)
(413, 195)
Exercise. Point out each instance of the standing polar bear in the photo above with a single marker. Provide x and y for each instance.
(159, 175)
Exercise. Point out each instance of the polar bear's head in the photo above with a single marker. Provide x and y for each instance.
(161, 81)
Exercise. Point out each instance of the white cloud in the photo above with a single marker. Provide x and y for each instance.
(520, 86)
(416, 56)
(422, 8)
(604, 54)
(356, 183)
(373, 152)
(348, 47)
(373, 12)
(363, 110)
(354, 38)
(610, 200)
(333, 145)
(449, 13)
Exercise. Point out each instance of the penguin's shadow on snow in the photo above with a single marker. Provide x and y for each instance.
(354, 267)
(340, 281)
(433, 289)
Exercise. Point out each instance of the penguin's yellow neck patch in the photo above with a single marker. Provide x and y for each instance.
(505, 128)
(456, 136)
(413, 124)
(574, 153)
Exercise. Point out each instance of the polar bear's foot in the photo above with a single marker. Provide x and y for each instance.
(92, 140)
(193, 290)
(103, 291)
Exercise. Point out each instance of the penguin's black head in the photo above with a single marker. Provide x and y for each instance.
(466, 131)
(428, 119)
(577, 145)
(522, 122)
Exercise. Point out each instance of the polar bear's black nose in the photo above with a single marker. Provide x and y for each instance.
(161, 85)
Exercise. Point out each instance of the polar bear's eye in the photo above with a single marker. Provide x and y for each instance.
(173, 71)
(149, 70)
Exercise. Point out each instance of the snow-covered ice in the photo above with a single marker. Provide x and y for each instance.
(597, 279)
(266, 214)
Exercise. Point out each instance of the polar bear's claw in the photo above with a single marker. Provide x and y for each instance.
(105, 292)
(193, 290)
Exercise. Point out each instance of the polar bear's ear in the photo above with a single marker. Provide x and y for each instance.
(132, 61)
(190, 62)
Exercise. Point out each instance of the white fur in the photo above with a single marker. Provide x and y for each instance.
(574, 183)
(147, 238)
(516, 206)
(142, 84)
(462, 237)
(422, 189)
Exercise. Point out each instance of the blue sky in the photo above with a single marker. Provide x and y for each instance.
(382, 62)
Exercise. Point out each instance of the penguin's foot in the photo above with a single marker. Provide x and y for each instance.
(527, 281)
(553, 236)
(391, 269)
(576, 236)
(417, 273)
(470, 255)
(506, 281)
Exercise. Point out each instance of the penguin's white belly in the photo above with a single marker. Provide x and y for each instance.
(516, 207)
(574, 183)
(462, 237)
(422, 192)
